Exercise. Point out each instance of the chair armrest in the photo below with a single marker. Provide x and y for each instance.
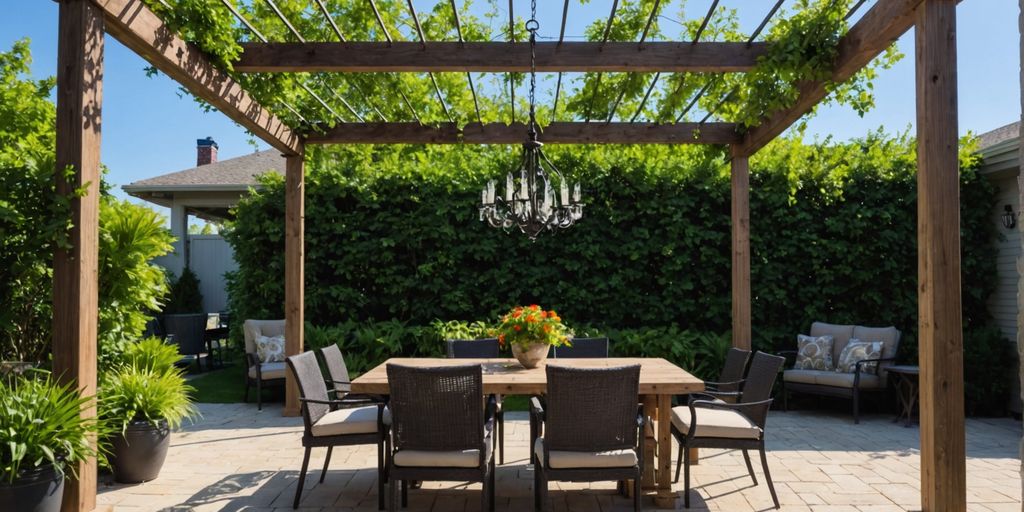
(722, 395)
(709, 397)
(757, 412)
(536, 409)
(857, 366)
(640, 419)
(720, 384)
(254, 361)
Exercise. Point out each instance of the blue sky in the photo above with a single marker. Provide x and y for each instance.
(149, 129)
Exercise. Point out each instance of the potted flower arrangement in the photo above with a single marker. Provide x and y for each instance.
(531, 331)
(42, 436)
(142, 400)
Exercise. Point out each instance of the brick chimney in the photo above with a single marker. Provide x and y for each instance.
(206, 151)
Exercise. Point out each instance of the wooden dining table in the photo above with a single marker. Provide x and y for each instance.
(659, 381)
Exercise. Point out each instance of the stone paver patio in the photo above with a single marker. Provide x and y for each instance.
(238, 459)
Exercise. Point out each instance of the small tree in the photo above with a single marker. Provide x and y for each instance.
(185, 296)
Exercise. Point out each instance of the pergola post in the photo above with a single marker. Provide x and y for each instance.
(943, 464)
(75, 268)
(740, 216)
(294, 255)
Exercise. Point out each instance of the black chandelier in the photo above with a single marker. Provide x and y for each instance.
(530, 202)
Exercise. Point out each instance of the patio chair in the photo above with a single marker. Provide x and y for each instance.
(338, 382)
(705, 422)
(592, 429)
(583, 348)
(261, 375)
(331, 423)
(484, 348)
(437, 431)
(188, 331)
(730, 381)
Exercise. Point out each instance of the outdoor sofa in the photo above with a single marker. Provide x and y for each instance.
(840, 384)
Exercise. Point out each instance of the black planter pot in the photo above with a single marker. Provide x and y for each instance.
(40, 490)
(138, 455)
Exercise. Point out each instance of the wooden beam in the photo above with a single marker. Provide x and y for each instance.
(940, 338)
(741, 331)
(294, 274)
(142, 31)
(76, 267)
(555, 133)
(498, 57)
(877, 30)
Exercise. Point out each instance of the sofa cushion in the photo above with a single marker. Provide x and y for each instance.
(890, 336)
(360, 420)
(561, 459)
(845, 380)
(856, 351)
(813, 353)
(716, 423)
(841, 335)
(268, 371)
(440, 459)
(253, 328)
(832, 378)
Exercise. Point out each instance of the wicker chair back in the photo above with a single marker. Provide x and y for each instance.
(591, 409)
(311, 386)
(335, 363)
(584, 348)
(473, 349)
(440, 408)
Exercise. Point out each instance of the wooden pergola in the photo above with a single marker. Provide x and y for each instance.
(84, 23)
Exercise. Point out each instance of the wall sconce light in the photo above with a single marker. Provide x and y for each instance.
(1009, 218)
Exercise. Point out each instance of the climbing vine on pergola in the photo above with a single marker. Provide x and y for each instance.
(300, 72)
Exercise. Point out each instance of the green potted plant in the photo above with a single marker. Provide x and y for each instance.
(531, 331)
(142, 400)
(42, 436)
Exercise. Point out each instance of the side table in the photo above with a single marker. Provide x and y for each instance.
(905, 378)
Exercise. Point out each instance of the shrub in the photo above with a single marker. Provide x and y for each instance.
(988, 368)
(185, 296)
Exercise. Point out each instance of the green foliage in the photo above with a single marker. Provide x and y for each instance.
(146, 387)
(41, 424)
(131, 287)
(457, 330)
(804, 41)
(989, 361)
(185, 296)
(34, 221)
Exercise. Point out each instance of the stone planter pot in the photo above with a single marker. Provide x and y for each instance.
(39, 490)
(138, 455)
(531, 355)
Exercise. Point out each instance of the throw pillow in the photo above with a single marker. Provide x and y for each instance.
(813, 352)
(858, 350)
(270, 349)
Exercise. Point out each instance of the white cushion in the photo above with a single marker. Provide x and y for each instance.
(561, 459)
(440, 459)
(268, 371)
(361, 420)
(831, 378)
(716, 423)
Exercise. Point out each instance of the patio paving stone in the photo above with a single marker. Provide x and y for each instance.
(236, 459)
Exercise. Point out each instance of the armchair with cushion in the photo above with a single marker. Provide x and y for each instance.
(261, 374)
(706, 422)
(868, 375)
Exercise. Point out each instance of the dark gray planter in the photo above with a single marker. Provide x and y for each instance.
(39, 490)
(138, 455)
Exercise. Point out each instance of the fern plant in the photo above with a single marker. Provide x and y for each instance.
(148, 387)
(41, 424)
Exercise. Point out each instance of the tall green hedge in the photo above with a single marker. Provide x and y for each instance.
(833, 237)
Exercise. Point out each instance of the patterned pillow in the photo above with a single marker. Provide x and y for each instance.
(813, 353)
(270, 349)
(858, 350)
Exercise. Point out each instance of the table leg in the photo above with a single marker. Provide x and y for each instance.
(647, 482)
(664, 498)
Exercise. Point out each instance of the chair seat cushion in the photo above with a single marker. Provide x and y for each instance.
(721, 423)
(561, 459)
(268, 371)
(441, 459)
(832, 378)
(360, 420)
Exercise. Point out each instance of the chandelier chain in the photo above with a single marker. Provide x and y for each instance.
(532, 25)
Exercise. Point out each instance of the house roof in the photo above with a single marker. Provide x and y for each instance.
(1001, 134)
(233, 174)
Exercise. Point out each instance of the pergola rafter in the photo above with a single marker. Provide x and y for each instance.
(84, 22)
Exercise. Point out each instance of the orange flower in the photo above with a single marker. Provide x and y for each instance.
(543, 314)
(516, 327)
(547, 328)
(531, 319)
(534, 307)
